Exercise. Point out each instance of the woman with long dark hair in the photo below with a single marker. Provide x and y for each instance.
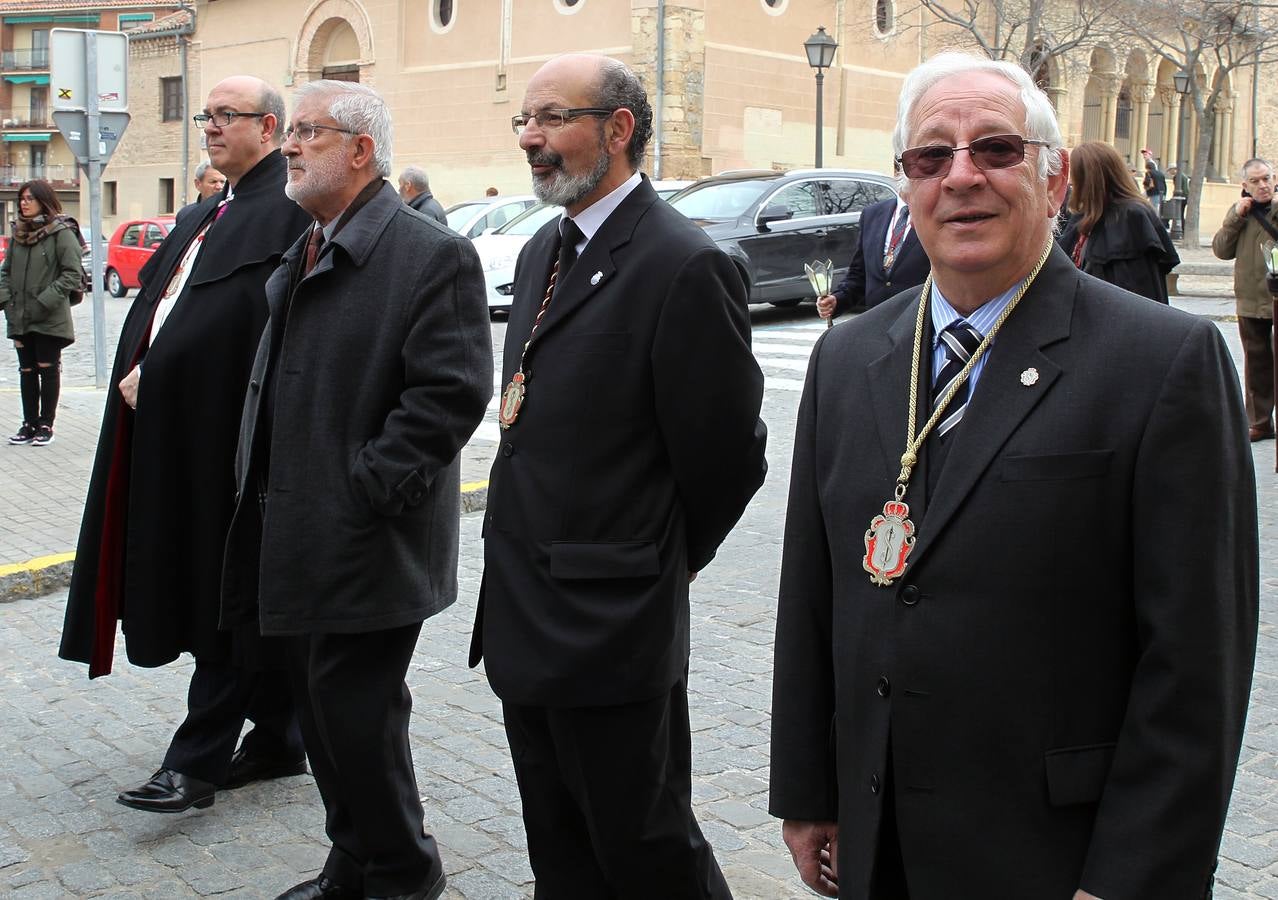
(1114, 233)
(42, 268)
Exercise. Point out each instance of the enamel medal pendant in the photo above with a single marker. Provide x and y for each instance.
(888, 542)
(511, 399)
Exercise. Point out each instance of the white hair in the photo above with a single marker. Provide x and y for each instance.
(357, 107)
(1040, 118)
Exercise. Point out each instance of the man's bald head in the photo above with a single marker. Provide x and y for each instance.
(253, 113)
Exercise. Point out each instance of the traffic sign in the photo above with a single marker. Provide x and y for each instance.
(68, 75)
(74, 126)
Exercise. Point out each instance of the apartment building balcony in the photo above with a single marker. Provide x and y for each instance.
(62, 177)
(30, 59)
(26, 118)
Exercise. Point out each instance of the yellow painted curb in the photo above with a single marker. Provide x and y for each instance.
(474, 486)
(35, 565)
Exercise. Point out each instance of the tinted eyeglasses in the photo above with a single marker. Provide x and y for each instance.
(998, 151)
(554, 119)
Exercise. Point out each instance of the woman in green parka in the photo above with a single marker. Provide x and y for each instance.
(42, 268)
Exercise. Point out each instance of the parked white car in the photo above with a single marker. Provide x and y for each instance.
(474, 217)
(498, 251)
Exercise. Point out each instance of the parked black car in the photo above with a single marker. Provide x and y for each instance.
(771, 223)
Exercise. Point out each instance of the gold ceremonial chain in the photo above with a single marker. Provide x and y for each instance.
(512, 397)
(892, 535)
(910, 457)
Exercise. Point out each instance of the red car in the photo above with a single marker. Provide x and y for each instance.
(130, 247)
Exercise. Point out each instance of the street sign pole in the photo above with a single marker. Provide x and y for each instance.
(89, 71)
(94, 171)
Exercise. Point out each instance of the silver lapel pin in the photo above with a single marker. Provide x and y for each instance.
(594, 279)
(1029, 377)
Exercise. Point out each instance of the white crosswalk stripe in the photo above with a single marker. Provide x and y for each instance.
(782, 354)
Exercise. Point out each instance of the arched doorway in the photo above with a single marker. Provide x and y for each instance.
(335, 41)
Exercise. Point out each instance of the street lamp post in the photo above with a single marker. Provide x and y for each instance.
(820, 48)
(1181, 82)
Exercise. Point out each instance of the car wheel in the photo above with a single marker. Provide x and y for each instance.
(114, 284)
(784, 304)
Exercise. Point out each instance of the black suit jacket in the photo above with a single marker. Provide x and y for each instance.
(867, 283)
(636, 450)
(1064, 665)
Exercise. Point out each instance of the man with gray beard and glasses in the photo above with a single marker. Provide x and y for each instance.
(631, 443)
(374, 369)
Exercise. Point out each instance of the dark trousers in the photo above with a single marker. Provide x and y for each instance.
(607, 799)
(354, 707)
(221, 696)
(39, 376)
(1258, 368)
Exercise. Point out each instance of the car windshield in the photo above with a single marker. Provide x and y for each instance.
(530, 220)
(722, 200)
(459, 214)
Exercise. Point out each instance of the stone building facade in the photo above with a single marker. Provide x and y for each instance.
(729, 79)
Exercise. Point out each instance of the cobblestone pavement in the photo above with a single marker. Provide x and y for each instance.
(67, 745)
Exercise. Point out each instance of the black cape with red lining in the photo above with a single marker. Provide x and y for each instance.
(162, 490)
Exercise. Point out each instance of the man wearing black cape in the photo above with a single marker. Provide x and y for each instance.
(162, 489)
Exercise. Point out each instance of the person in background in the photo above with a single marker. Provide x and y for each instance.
(491, 192)
(1114, 234)
(1155, 182)
(1249, 224)
(39, 273)
(208, 180)
(886, 260)
(208, 183)
(414, 189)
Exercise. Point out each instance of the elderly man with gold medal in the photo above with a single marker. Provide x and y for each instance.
(1018, 602)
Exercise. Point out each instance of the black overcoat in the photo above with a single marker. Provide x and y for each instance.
(636, 451)
(1128, 247)
(161, 493)
(1063, 668)
(867, 283)
(381, 374)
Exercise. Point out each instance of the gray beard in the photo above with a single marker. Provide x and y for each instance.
(562, 189)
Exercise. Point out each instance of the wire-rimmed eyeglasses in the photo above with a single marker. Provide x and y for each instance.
(306, 131)
(554, 119)
(998, 151)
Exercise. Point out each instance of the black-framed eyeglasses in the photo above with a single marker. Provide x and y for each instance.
(222, 119)
(554, 119)
(998, 151)
(306, 131)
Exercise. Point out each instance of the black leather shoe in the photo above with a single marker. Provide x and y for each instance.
(321, 887)
(433, 892)
(169, 792)
(246, 768)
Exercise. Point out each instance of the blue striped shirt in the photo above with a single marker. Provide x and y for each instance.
(983, 319)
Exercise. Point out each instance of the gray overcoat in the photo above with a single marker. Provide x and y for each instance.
(382, 373)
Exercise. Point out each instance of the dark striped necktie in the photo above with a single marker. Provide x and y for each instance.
(898, 234)
(960, 341)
